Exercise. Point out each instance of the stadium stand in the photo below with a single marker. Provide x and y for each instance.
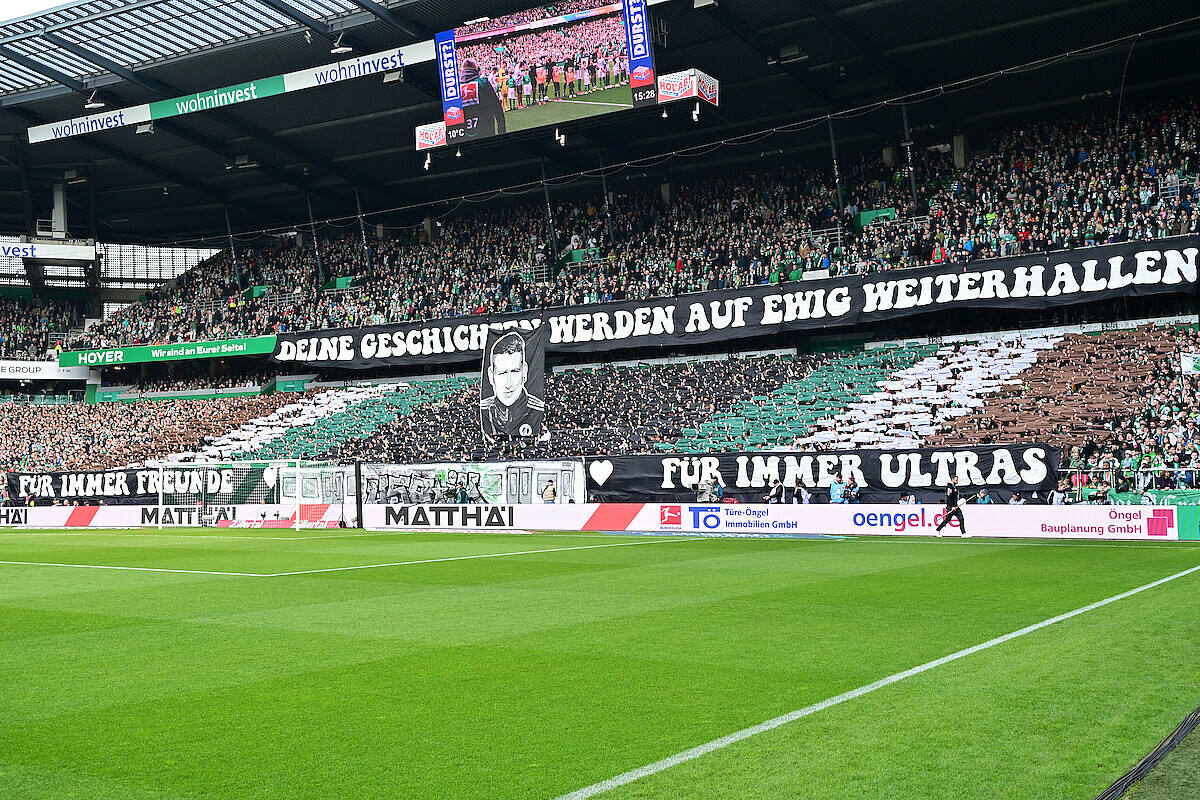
(26, 327)
(113, 435)
(1034, 188)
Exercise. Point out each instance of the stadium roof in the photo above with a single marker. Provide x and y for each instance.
(779, 61)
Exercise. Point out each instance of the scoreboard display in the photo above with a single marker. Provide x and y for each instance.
(542, 67)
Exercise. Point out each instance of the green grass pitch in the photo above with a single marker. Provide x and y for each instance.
(564, 663)
(601, 101)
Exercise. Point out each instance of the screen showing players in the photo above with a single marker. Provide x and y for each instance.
(544, 66)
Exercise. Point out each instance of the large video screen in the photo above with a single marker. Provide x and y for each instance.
(545, 66)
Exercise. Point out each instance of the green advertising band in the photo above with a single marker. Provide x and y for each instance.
(185, 351)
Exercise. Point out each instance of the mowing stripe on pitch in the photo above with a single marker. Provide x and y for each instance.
(733, 738)
(468, 558)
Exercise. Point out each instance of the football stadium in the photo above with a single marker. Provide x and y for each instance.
(621, 399)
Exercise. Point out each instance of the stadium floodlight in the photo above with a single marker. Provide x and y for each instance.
(561, 138)
(144, 127)
(457, 153)
(477, 21)
(395, 76)
(74, 176)
(664, 114)
(696, 112)
(339, 48)
(93, 101)
(308, 37)
(428, 160)
(165, 189)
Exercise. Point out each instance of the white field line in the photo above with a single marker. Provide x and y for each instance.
(340, 569)
(137, 569)
(469, 558)
(725, 741)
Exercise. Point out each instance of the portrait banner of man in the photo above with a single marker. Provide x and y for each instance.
(512, 389)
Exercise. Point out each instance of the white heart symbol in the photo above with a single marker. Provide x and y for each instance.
(600, 470)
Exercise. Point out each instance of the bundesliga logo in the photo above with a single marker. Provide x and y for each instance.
(670, 515)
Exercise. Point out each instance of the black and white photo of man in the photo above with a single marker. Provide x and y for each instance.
(510, 405)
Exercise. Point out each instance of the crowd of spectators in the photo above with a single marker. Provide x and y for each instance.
(1118, 404)
(529, 15)
(115, 435)
(536, 64)
(26, 326)
(243, 379)
(1040, 187)
(643, 407)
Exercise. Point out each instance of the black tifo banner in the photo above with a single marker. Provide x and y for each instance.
(1019, 282)
(882, 475)
(128, 486)
(512, 385)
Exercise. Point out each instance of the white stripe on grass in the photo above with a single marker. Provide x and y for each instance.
(342, 569)
(137, 569)
(771, 724)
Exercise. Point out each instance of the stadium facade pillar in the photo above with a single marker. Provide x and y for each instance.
(59, 213)
(959, 149)
(233, 259)
(908, 147)
(550, 218)
(362, 230)
(312, 226)
(607, 198)
(94, 299)
(837, 173)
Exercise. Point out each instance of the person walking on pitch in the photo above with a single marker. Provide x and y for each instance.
(953, 509)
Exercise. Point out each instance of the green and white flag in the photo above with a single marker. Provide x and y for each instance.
(1189, 363)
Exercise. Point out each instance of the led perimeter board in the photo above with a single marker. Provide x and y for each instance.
(544, 66)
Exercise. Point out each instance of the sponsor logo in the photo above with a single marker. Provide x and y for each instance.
(671, 87)
(706, 517)
(18, 250)
(708, 88)
(635, 29)
(448, 516)
(431, 135)
(14, 516)
(670, 515)
(454, 115)
(642, 73)
(448, 65)
(900, 521)
(1160, 522)
(101, 357)
(187, 515)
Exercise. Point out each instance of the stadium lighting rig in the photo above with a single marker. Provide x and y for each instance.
(339, 48)
(561, 138)
(428, 161)
(93, 101)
